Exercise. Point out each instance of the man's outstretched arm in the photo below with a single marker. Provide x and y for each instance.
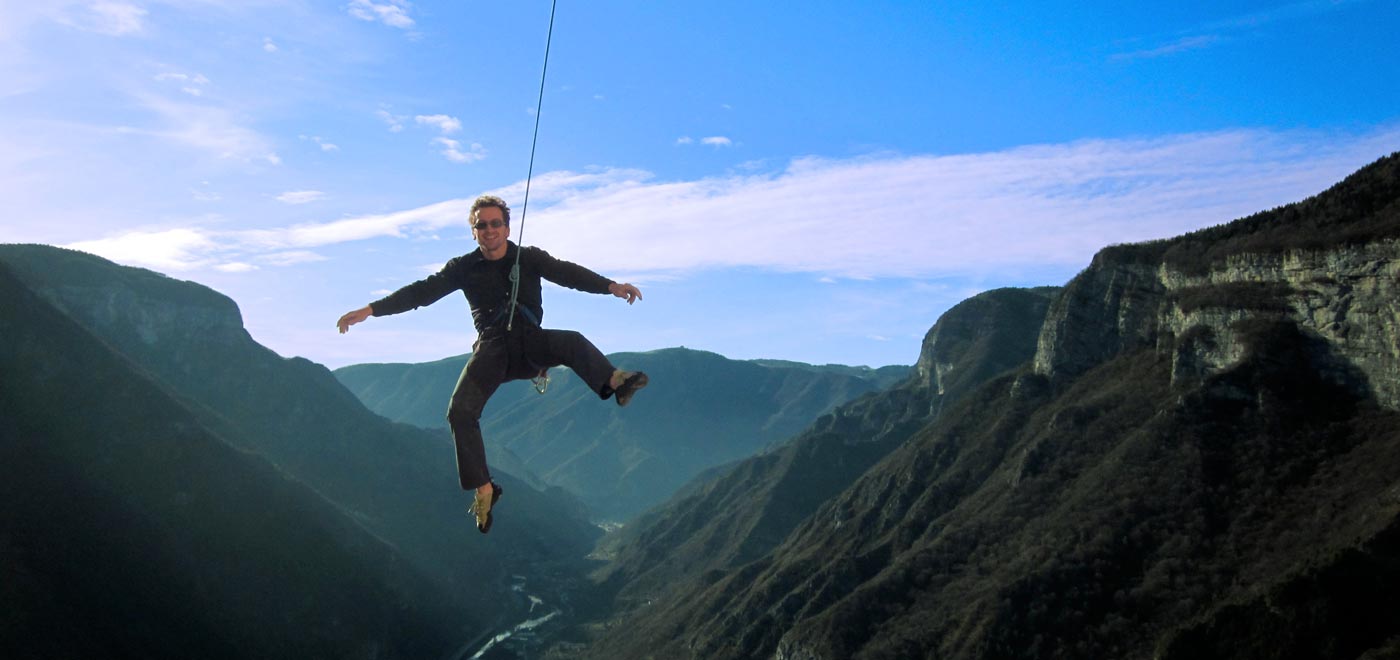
(353, 317)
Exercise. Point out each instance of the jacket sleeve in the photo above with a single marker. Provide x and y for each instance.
(422, 293)
(569, 274)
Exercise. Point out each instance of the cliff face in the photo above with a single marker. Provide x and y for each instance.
(1197, 461)
(684, 543)
(1197, 297)
(397, 482)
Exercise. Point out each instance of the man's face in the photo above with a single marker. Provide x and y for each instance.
(490, 229)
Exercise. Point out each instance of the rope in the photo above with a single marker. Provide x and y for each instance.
(520, 240)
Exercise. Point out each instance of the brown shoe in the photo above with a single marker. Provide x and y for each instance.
(631, 382)
(481, 508)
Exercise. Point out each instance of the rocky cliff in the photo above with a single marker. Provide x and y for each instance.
(1330, 264)
(1198, 460)
(767, 496)
(396, 482)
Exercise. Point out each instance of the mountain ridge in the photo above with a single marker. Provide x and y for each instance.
(701, 410)
(113, 491)
(396, 481)
(1196, 453)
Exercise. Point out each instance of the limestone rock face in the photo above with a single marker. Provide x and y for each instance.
(1347, 295)
(980, 337)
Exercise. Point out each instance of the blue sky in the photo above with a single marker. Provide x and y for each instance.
(814, 181)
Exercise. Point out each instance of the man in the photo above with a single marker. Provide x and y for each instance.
(501, 354)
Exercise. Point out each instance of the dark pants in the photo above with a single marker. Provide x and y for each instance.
(497, 358)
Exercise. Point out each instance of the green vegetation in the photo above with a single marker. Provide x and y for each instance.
(1107, 512)
(130, 529)
(1245, 296)
(702, 410)
(1363, 208)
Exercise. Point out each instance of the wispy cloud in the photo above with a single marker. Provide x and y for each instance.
(445, 123)
(110, 17)
(169, 250)
(268, 45)
(291, 258)
(1222, 30)
(716, 141)
(452, 149)
(395, 122)
(208, 128)
(393, 13)
(1180, 45)
(324, 145)
(300, 196)
(189, 84)
(904, 216)
(1288, 12)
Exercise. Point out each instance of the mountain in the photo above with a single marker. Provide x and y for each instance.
(746, 510)
(128, 529)
(701, 410)
(1198, 461)
(395, 482)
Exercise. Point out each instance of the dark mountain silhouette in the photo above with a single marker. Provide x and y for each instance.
(748, 509)
(701, 410)
(127, 529)
(393, 482)
(1199, 461)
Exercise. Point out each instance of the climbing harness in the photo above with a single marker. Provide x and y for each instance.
(539, 103)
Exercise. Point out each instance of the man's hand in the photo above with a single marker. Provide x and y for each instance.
(625, 291)
(351, 318)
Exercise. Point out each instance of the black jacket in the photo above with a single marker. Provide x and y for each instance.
(487, 285)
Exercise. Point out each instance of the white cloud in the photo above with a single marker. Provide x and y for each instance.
(108, 17)
(717, 141)
(208, 128)
(452, 149)
(395, 122)
(393, 13)
(300, 196)
(168, 250)
(1196, 42)
(192, 85)
(685, 139)
(268, 45)
(1222, 30)
(325, 146)
(448, 125)
(875, 217)
(235, 267)
(291, 258)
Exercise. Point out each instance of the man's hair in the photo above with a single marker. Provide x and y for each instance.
(489, 200)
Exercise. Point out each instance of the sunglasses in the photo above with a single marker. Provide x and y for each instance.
(489, 224)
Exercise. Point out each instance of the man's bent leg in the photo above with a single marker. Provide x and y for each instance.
(574, 351)
(483, 374)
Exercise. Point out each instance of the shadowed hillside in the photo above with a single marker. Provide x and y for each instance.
(1199, 461)
(701, 410)
(749, 508)
(395, 481)
(128, 529)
